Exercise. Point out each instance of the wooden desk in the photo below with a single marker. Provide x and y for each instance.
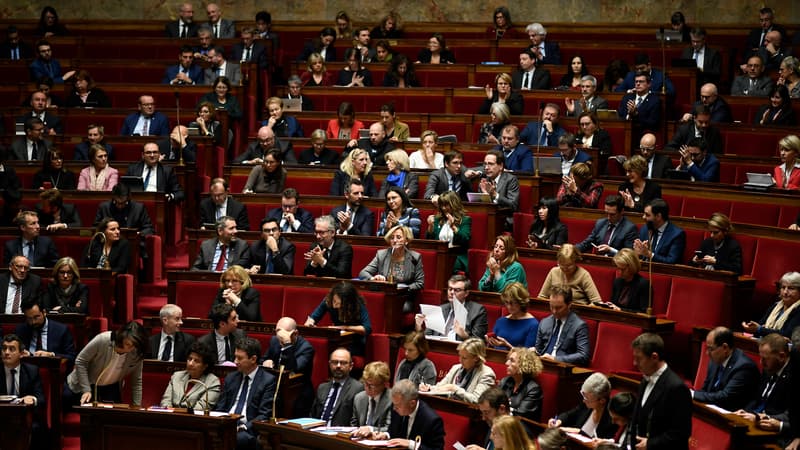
(280, 437)
(15, 434)
(122, 428)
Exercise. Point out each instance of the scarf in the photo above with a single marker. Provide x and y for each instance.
(396, 179)
(775, 322)
(97, 180)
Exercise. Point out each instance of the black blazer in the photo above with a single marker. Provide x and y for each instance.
(182, 342)
(133, 216)
(556, 235)
(638, 293)
(235, 209)
(69, 216)
(527, 401)
(305, 218)
(363, 222)
(343, 408)
(259, 402)
(328, 157)
(297, 359)
(210, 340)
(666, 417)
(59, 339)
(52, 299)
(779, 400)
(340, 180)
(119, 257)
(167, 181)
(97, 98)
(29, 383)
(738, 383)
(661, 164)
(340, 263)
(172, 30)
(283, 264)
(249, 308)
(427, 425)
(541, 79)
(729, 256)
(45, 253)
(65, 180)
(189, 151)
(31, 289)
(515, 103)
(686, 132)
(601, 141)
(577, 416)
(623, 236)
(258, 54)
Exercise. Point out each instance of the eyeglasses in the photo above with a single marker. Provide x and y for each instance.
(65, 273)
(338, 363)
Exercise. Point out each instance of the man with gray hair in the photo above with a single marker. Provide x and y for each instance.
(588, 101)
(330, 257)
(220, 253)
(546, 52)
(412, 420)
(295, 91)
(171, 344)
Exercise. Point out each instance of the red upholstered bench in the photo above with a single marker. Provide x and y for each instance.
(195, 297)
(755, 213)
(608, 355)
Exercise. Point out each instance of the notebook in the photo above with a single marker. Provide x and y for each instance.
(759, 181)
(478, 197)
(549, 165)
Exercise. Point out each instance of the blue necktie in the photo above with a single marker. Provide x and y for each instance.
(269, 266)
(326, 414)
(147, 178)
(242, 396)
(554, 338)
(13, 390)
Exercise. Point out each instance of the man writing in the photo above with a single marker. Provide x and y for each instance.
(611, 234)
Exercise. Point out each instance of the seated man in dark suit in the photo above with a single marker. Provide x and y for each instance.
(95, 134)
(42, 336)
(641, 107)
(272, 253)
(54, 214)
(378, 145)
(291, 218)
(178, 144)
(518, 156)
(351, 218)
(570, 154)
(451, 177)
(701, 165)
(127, 212)
(250, 50)
(753, 83)
(546, 131)
(641, 64)
(40, 250)
(477, 322)
(372, 407)
(708, 60)
(265, 141)
(146, 122)
(333, 402)
(219, 203)
(220, 253)
(717, 106)
(563, 336)
(186, 72)
(32, 146)
(699, 127)
(292, 351)
(611, 234)
(170, 344)
(226, 332)
(18, 286)
(757, 37)
(184, 27)
(657, 164)
(15, 48)
(22, 380)
(732, 377)
(329, 257)
(530, 75)
(412, 419)
(588, 101)
(546, 52)
(659, 239)
(156, 176)
(52, 123)
(248, 392)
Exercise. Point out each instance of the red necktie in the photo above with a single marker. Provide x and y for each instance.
(222, 258)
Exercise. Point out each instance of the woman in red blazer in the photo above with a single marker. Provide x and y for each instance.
(787, 175)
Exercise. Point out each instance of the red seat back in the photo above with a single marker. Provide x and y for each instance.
(612, 339)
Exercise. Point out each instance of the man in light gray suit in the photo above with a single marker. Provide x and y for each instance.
(753, 83)
(588, 101)
(372, 407)
(220, 253)
(221, 67)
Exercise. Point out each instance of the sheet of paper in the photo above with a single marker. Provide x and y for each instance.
(459, 446)
(433, 317)
(579, 437)
(460, 312)
(718, 409)
(373, 443)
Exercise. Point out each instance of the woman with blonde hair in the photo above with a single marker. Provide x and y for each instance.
(399, 174)
(783, 316)
(355, 165)
(452, 225)
(568, 275)
(508, 433)
(281, 124)
(427, 157)
(317, 74)
(638, 190)
(467, 380)
(502, 266)
(524, 393)
(66, 293)
(519, 327)
(99, 175)
(787, 175)
(720, 251)
(630, 291)
(502, 93)
(236, 289)
(396, 264)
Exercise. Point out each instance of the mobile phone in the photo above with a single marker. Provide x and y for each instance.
(491, 335)
(594, 245)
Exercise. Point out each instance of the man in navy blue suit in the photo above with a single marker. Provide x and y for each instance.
(146, 122)
(732, 377)
(248, 392)
(641, 63)
(412, 419)
(352, 217)
(40, 250)
(186, 71)
(613, 233)
(563, 336)
(26, 384)
(641, 106)
(44, 337)
(518, 156)
(695, 159)
(659, 239)
(546, 131)
(290, 350)
(570, 154)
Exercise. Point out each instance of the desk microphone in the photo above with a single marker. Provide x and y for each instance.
(185, 397)
(99, 377)
(277, 389)
(182, 141)
(539, 137)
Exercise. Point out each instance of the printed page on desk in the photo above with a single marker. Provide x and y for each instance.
(460, 312)
(433, 317)
(374, 443)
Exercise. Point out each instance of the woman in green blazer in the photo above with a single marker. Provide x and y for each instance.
(452, 225)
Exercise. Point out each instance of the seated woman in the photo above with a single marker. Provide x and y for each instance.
(221, 97)
(502, 93)
(451, 224)
(396, 131)
(401, 73)
(383, 51)
(354, 74)
(789, 76)
(519, 327)
(508, 433)
(318, 154)
(86, 94)
(468, 380)
(415, 366)
(502, 266)
(590, 418)
(389, 28)
(66, 293)
(579, 190)
(782, 317)
(99, 175)
(281, 124)
(355, 165)
(396, 264)
(267, 177)
(547, 231)
(53, 174)
(399, 174)
(576, 69)
(568, 274)
(317, 74)
(720, 251)
(399, 211)
(427, 157)
(206, 121)
(322, 45)
(614, 75)
(345, 126)
(49, 25)
(191, 388)
(524, 393)
(347, 311)
(108, 249)
(778, 111)
(436, 52)
(499, 117)
(787, 175)
(621, 408)
(630, 291)
(236, 289)
(502, 26)
(638, 190)
(591, 135)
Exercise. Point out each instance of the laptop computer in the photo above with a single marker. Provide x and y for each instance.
(292, 104)
(669, 35)
(135, 184)
(759, 181)
(675, 174)
(549, 165)
(478, 197)
(606, 114)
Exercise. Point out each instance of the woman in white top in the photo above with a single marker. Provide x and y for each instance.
(427, 157)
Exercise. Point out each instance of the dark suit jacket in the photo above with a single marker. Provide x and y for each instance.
(235, 209)
(556, 235)
(541, 79)
(666, 418)
(51, 121)
(181, 343)
(687, 131)
(761, 86)
(159, 125)
(343, 408)
(31, 288)
(638, 293)
(133, 216)
(712, 62)
(720, 111)
(439, 182)
(283, 264)
(258, 54)
(623, 236)
(600, 141)
(779, 401)
(173, 30)
(363, 221)
(227, 29)
(427, 425)
(53, 299)
(594, 104)
(515, 103)
(520, 160)
(96, 98)
(167, 181)
(669, 248)
(119, 257)
(729, 256)
(573, 346)
(477, 322)
(29, 383)
(189, 151)
(82, 151)
(19, 149)
(707, 170)
(59, 339)
(298, 359)
(238, 252)
(259, 403)
(339, 265)
(532, 132)
(382, 413)
(305, 218)
(69, 216)
(25, 50)
(45, 253)
(249, 308)
(525, 402)
(737, 385)
(577, 416)
(195, 74)
(754, 38)
(649, 114)
(210, 340)
(657, 81)
(410, 185)
(661, 164)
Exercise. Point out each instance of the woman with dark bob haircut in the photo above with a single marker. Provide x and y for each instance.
(345, 307)
(199, 369)
(547, 230)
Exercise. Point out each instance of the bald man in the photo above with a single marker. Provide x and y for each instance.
(177, 143)
(657, 165)
(709, 96)
(184, 27)
(266, 140)
(221, 28)
(296, 354)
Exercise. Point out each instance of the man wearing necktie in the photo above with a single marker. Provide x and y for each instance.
(226, 332)
(22, 380)
(220, 203)
(373, 406)
(334, 399)
(186, 71)
(155, 176)
(414, 424)
(249, 49)
(184, 27)
(731, 378)
(563, 336)
(40, 250)
(753, 83)
(248, 392)
(272, 253)
(351, 218)
(18, 286)
(659, 239)
(170, 344)
(147, 121)
(42, 336)
(30, 147)
(708, 60)
(546, 131)
(640, 106)
(529, 76)
(14, 48)
(221, 67)
(223, 251)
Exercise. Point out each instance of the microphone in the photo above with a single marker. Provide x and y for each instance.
(178, 122)
(277, 389)
(538, 137)
(102, 372)
(185, 397)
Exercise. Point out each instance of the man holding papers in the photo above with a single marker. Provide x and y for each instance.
(457, 320)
